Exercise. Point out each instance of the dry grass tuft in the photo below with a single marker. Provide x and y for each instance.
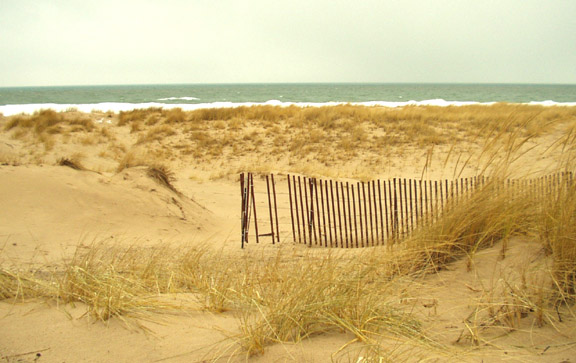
(175, 115)
(278, 300)
(49, 121)
(156, 133)
(290, 302)
(132, 159)
(163, 176)
(71, 163)
(127, 117)
(486, 217)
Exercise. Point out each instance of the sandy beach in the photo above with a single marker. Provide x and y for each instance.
(101, 261)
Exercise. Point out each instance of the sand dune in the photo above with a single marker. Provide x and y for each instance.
(55, 208)
(480, 305)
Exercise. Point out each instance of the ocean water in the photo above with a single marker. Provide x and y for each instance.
(192, 96)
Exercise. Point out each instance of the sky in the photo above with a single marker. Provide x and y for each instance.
(85, 42)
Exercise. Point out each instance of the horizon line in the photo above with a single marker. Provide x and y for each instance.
(292, 83)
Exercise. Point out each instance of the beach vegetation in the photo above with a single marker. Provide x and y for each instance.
(73, 163)
(175, 115)
(288, 298)
(127, 117)
(163, 176)
(156, 133)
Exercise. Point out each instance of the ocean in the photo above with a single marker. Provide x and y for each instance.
(16, 100)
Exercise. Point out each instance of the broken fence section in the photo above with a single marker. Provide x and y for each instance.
(250, 207)
(329, 213)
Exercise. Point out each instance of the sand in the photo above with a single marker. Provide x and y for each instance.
(51, 212)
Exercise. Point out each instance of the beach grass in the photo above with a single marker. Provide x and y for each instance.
(344, 137)
(290, 297)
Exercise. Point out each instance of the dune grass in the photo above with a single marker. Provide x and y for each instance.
(335, 137)
(289, 297)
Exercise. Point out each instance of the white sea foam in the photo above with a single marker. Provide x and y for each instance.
(9, 110)
(178, 98)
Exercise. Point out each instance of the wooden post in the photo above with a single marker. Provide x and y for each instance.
(310, 211)
(339, 216)
(427, 210)
(370, 212)
(362, 239)
(270, 210)
(406, 203)
(411, 206)
(382, 216)
(247, 214)
(242, 210)
(291, 209)
(415, 200)
(254, 206)
(302, 210)
(365, 213)
(307, 222)
(395, 226)
(349, 214)
(344, 215)
(328, 211)
(456, 193)
(323, 214)
(355, 219)
(375, 211)
(441, 198)
(334, 214)
(296, 209)
(387, 216)
(275, 209)
(319, 228)
(402, 228)
(422, 186)
(447, 199)
(436, 206)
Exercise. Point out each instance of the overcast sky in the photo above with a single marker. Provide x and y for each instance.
(83, 42)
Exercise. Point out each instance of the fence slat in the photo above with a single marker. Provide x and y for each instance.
(323, 213)
(382, 216)
(339, 215)
(375, 204)
(365, 213)
(396, 227)
(275, 209)
(334, 215)
(386, 215)
(349, 214)
(242, 210)
(360, 215)
(318, 224)
(302, 209)
(355, 219)
(370, 213)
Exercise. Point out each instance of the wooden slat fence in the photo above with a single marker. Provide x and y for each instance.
(330, 213)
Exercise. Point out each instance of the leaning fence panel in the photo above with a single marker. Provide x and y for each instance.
(331, 213)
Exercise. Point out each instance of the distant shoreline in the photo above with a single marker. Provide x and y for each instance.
(10, 110)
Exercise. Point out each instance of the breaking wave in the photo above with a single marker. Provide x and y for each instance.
(8, 110)
(178, 98)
